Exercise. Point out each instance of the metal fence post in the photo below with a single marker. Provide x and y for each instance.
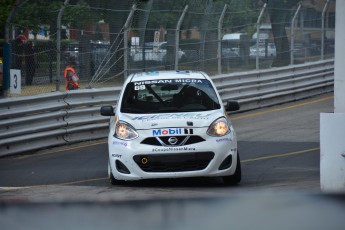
(125, 40)
(219, 51)
(58, 45)
(257, 35)
(323, 29)
(7, 50)
(177, 36)
(292, 39)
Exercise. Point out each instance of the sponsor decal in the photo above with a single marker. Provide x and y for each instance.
(164, 132)
(188, 81)
(116, 155)
(168, 116)
(172, 149)
(137, 83)
(152, 73)
(168, 81)
(182, 72)
(171, 132)
(225, 139)
(139, 87)
(120, 143)
(188, 131)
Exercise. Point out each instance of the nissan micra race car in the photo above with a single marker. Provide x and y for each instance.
(171, 124)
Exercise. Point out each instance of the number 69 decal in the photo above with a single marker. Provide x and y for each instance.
(139, 87)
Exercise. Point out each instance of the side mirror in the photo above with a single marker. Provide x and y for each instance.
(107, 111)
(232, 106)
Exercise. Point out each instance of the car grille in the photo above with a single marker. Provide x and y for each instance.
(164, 141)
(174, 162)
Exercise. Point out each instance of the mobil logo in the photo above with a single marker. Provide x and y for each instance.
(163, 132)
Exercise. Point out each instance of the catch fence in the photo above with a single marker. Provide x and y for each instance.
(109, 41)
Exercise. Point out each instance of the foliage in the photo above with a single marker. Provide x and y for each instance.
(238, 13)
(36, 13)
(5, 8)
(279, 14)
(241, 14)
(80, 14)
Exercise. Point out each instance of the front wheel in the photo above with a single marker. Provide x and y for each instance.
(236, 177)
(111, 177)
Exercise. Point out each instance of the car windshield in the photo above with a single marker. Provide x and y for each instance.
(169, 95)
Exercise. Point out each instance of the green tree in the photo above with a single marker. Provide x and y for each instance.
(116, 22)
(34, 14)
(280, 17)
(241, 15)
(5, 8)
(80, 14)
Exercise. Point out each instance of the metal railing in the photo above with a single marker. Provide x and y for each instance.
(257, 89)
(36, 122)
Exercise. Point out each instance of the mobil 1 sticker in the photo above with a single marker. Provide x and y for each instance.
(171, 131)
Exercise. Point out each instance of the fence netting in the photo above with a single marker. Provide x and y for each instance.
(108, 40)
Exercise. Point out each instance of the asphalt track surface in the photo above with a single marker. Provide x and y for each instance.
(280, 154)
(279, 148)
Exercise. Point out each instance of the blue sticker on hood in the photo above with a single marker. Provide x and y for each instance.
(173, 116)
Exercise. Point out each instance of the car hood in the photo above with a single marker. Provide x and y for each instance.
(164, 120)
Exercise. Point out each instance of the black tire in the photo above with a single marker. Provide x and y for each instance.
(111, 177)
(236, 177)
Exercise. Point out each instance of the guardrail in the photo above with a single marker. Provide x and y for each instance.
(257, 89)
(59, 118)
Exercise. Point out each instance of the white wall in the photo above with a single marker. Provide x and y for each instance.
(339, 64)
(332, 125)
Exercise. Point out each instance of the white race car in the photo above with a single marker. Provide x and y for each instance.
(171, 124)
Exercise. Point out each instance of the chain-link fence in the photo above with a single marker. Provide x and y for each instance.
(107, 41)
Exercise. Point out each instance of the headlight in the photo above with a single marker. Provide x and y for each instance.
(219, 128)
(125, 131)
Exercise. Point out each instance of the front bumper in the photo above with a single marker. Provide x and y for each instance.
(132, 160)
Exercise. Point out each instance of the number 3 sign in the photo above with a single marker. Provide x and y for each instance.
(15, 81)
